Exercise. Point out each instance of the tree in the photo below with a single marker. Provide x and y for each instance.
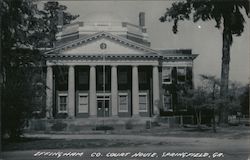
(244, 101)
(207, 97)
(54, 16)
(212, 86)
(195, 98)
(228, 13)
(19, 24)
(25, 28)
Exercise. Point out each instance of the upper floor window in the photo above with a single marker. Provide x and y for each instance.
(181, 74)
(166, 75)
(142, 77)
(122, 78)
(83, 78)
(100, 78)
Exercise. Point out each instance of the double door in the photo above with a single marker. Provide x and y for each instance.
(103, 106)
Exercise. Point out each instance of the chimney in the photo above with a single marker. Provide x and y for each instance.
(142, 19)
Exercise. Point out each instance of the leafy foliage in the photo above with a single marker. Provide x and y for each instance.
(52, 14)
(244, 101)
(24, 29)
(207, 96)
(226, 13)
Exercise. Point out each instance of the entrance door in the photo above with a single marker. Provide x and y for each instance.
(103, 103)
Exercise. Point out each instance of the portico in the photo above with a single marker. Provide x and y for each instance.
(127, 98)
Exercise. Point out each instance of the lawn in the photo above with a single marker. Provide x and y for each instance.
(49, 143)
(39, 143)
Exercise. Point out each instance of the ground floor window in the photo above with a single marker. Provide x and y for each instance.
(143, 103)
(123, 102)
(83, 103)
(167, 102)
(62, 102)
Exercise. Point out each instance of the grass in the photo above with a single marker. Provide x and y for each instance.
(38, 144)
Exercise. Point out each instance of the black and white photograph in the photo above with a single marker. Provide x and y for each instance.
(124, 79)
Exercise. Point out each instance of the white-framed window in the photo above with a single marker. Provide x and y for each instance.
(181, 74)
(123, 102)
(167, 102)
(62, 103)
(166, 75)
(143, 102)
(83, 103)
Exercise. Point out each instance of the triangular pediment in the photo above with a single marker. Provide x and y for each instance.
(102, 43)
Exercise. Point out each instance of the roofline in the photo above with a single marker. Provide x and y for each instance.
(110, 56)
(101, 34)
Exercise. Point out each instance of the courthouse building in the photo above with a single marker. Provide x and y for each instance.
(104, 67)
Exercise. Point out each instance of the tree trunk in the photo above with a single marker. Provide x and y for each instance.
(214, 123)
(1, 83)
(225, 62)
(227, 37)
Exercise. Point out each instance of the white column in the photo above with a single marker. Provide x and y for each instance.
(156, 90)
(92, 91)
(114, 90)
(135, 91)
(49, 91)
(71, 91)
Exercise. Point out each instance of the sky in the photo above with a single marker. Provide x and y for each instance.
(202, 37)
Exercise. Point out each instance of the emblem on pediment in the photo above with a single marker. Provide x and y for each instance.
(103, 45)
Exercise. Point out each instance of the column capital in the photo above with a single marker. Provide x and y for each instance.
(113, 65)
(92, 65)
